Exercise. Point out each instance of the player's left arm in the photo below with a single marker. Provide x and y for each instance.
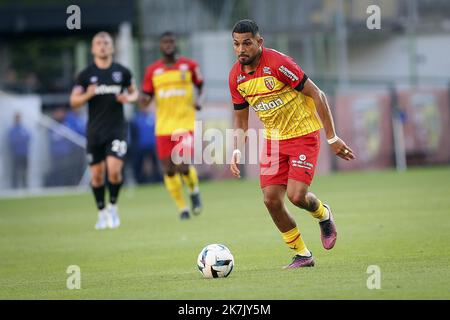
(131, 93)
(130, 96)
(200, 97)
(340, 148)
(197, 79)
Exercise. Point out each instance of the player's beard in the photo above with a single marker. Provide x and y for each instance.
(104, 55)
(170, 56)
(249, 60)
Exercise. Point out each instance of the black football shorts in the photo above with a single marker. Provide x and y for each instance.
(97, 153)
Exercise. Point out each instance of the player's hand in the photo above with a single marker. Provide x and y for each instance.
(91, 90)
(342, 150)
(234, 166)
(122, 98)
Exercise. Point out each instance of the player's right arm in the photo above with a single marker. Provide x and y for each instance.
(79, 96)
(241, 107)
(240, 131)
(147, 92)
(144, 100)
(83, 90)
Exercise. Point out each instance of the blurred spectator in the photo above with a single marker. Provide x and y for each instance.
(57, 85)
(11, 82)
(75, 121)
(62, 172)
(145, 163)
(19, 141)
(32, 83)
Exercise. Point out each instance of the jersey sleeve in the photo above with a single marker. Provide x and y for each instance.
(147, 83)
(290, 73)
(197, 77)
(127, 78)
(237, 99)
(81, 80)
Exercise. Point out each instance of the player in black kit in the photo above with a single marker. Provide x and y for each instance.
(105, 86)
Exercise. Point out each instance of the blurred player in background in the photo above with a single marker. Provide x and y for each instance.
(105, 85)
(171, 81)
(286, 102)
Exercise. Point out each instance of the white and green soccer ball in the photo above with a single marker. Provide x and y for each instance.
(215, 261)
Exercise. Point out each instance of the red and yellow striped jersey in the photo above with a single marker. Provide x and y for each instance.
(273, 91)
(173, 88)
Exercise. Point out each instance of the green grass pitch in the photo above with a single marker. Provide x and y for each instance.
(399, 222)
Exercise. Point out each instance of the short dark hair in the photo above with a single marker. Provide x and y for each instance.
(167, 34)
(246, 25)
(103, 34)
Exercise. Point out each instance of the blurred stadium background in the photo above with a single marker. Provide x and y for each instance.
(389, 91)
(389, 88)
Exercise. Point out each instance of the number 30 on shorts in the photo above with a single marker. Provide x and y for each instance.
(119, 147)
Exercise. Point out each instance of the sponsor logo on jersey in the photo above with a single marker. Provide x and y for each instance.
(169, 93)
(288, 73)
(240, 78)
(262, 106)
(93, 79)
(266, 70)
(117, 76)
(104, 89)
(269, 82)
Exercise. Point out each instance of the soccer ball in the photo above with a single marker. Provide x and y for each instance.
(215, 261)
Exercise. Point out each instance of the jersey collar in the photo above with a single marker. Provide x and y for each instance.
(173, 65)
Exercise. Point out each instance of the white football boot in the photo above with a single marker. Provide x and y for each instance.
(114, 216)
(103, 217)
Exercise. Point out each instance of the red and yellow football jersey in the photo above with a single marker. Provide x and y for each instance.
(173, 89)
(273, 92)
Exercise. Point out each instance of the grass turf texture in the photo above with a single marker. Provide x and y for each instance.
(399, 222)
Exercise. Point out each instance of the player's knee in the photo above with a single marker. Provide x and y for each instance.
(97, 180)
(298, 198)
(170, 172)
(273, 203)
(115, 177)
(183, 169)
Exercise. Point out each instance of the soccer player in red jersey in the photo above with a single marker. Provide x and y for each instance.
(171, 81)
(286, 101)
